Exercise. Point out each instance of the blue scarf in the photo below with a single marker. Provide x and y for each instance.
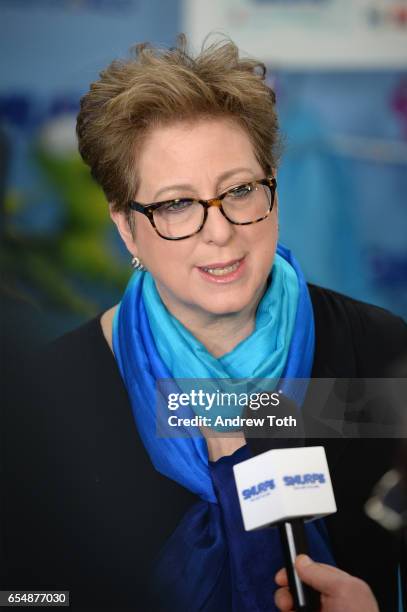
(147, 341)
(263, 354)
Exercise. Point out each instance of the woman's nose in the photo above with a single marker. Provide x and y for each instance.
(217, 228)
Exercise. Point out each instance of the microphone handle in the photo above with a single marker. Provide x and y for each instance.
(294, 541)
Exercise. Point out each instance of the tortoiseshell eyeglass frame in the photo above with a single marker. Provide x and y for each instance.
(148, 209)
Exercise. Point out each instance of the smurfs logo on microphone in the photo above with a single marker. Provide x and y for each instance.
(304, 481)
(285, 483)
(262, 489)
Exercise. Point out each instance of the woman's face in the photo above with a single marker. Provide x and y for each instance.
(202, 160)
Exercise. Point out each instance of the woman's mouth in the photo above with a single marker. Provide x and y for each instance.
(223, 272)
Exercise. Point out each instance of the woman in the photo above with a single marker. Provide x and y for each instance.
(186, 152)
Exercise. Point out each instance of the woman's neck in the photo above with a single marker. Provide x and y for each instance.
(222, 334)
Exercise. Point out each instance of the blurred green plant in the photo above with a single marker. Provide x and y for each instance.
(67, 268)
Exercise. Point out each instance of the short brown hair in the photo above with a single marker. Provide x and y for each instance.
(161, 86)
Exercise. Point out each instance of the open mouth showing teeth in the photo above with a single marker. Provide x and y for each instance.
(222, 271)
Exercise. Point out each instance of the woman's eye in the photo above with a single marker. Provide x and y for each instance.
(241, 191)
(176, 206)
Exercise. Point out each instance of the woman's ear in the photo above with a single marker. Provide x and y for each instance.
(121, 221)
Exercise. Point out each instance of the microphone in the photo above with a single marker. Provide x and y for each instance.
(284, 487)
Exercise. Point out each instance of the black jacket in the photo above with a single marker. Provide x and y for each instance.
(85, 511)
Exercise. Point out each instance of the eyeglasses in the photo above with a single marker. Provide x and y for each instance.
(183, 217)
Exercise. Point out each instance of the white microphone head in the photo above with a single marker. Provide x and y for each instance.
(284, 484)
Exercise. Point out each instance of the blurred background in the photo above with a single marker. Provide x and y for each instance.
(339, 68)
